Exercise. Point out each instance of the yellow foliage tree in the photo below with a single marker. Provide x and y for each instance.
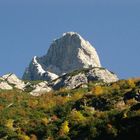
(115, 86)
(24, 137)
(9, 124)
(76, 116)
(131, 83)
(97, 90)
(45, 121)
(77, 96)
(64, 128)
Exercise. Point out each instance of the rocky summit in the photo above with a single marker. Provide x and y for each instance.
(71, 62)
(66, 54)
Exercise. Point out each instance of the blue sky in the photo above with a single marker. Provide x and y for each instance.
(27, 28)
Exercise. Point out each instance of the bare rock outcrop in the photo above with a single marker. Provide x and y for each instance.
(5, 86)
(40, 88)
(13, 80)
(80, 77)
(66, 54)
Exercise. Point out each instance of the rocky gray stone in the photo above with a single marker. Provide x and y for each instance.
(10, 81)
(101, 74)
(40, 88)
(81, 77)
(13, 80)
(5, 86)
(68, 53)
(70, 82)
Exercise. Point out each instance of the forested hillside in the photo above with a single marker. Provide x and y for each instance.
(97, 111)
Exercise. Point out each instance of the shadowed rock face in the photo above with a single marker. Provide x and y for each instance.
(68, 53)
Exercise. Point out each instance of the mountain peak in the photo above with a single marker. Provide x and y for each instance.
(68, 53)
(71, 34)
(72, 37)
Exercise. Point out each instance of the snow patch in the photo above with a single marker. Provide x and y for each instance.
(41, 71)
(52, 75)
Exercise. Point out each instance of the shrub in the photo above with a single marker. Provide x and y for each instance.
(76, 116)
(97, 90)
(64, 129)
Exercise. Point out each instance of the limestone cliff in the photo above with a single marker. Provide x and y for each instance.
(68, 53)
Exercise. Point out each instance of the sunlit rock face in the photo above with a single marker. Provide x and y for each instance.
(79, 79)
(69, 52)
(10, 81)
(70, 62)
(13, 80)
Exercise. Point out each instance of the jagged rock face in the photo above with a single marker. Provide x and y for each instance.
(40, 88)
(77, 79)
(12, 79)
(5, 86)
(35, 71)
(101, 74)
(68, 53)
